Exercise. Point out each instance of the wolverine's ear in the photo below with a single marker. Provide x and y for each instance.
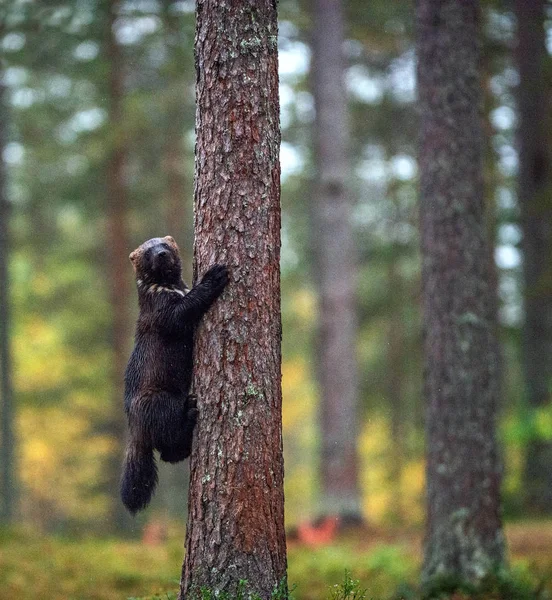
(133, 256)
(169, 239)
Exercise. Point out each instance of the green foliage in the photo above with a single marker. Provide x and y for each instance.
(349, 589)
(283, 591)
(242, 592)
(381, 567)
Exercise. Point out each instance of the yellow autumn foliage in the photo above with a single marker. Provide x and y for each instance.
(39, 356)
(304, 305)
(60, 461)
(383, 498)
(299, 425)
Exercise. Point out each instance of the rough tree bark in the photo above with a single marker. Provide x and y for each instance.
(535, 203)
(335, 267)
(118, 265)
(464, 536)
(7, 437)
(236, 504)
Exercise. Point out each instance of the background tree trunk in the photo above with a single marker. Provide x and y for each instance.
(174, 159)
(176, 189)
(535, 203)
(464, 535)
(7, 437)
(174, 480)
(236, 504)
(395, 369)
(335, 267)
(118, 249)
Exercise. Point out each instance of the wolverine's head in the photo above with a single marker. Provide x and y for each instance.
(157, 261)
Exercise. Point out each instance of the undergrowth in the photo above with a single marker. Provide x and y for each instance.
(281, 592)
(58, 568)
(514, 584)
(349, 589)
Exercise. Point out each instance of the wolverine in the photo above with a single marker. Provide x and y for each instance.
(160, 410)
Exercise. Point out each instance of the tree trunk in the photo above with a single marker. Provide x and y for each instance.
(535, 202)
(174, 169)
(174, 154)
(395, 384)
(335, 267)
(118, 248)
(236, 503)
(174, 480)
(464, 536)
(7, 437)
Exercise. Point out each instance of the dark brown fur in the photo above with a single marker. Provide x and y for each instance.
(161, 412)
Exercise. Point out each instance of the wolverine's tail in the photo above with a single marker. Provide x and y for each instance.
(139, 477)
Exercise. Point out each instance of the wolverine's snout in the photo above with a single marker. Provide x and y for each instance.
(161, 258)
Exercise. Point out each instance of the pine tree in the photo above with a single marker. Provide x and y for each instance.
(464, 535)
(535, 203)
(118, 248)
(7, 434)
(236, 505)
(335, 267)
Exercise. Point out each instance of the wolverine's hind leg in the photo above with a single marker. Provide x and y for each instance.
(139, 477)
(175, 443)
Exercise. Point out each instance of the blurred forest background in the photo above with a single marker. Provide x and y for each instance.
(97, 136)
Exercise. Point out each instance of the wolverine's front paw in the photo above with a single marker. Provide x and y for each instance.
(216, 277)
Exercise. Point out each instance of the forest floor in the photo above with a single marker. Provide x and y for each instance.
(384, 560)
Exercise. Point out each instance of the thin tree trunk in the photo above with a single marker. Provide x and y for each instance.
(535, 203)
(118, 265)
(7, 437)
(174, 159)
(177, 222)
(176, 192)
(464, 536)
(335, 267)
(236, 503)
(395, 379)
